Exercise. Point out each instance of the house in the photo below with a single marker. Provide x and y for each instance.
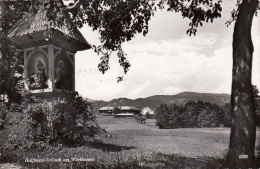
(129, 109)
(119, 110)
(106, 110)
(147, 110)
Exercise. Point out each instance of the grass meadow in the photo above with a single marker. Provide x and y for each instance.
(129, 144)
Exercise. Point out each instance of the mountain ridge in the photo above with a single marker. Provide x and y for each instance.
(155, 101)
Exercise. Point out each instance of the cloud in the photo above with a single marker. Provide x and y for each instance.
(180, 67)
(167, 61)
(164, 67)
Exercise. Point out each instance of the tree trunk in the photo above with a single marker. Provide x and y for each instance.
(243, 130)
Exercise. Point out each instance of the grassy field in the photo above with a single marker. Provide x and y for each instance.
(188, 142)
(129, 144)
(185, 142)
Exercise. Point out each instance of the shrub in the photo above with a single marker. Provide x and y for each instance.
(66, 121)
(140, 118)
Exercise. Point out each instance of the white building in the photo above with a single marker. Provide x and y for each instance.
(147, 110)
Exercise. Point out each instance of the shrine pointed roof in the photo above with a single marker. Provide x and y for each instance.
(31, 23)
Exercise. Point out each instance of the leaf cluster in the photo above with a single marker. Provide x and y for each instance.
(10, 55)
(198, 11)
(117, 22)
(11, 70)
(234, 12)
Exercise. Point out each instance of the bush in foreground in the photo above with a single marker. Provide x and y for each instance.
(68, 121)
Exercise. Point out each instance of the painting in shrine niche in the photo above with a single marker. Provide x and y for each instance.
(60, 79)
(63, 73)
(37, 71)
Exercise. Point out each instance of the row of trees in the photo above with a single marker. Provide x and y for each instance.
(200, 114)
(193, 114)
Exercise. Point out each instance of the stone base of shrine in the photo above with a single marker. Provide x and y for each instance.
(53, 94)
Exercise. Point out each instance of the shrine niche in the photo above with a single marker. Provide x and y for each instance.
(64, 72)
(37, 71)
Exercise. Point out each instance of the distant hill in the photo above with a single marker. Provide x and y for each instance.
(183, 98)
(155, 101)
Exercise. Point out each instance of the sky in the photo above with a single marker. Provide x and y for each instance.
(167, 61)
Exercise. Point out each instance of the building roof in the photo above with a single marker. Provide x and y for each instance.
(128, 108)
(106, 108)
(121, 108)
(31, 23)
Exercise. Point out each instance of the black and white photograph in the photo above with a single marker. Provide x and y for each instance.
(118, 84)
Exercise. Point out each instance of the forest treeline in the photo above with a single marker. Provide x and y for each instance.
(193, 114)
(200, 114)
(197, 114)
